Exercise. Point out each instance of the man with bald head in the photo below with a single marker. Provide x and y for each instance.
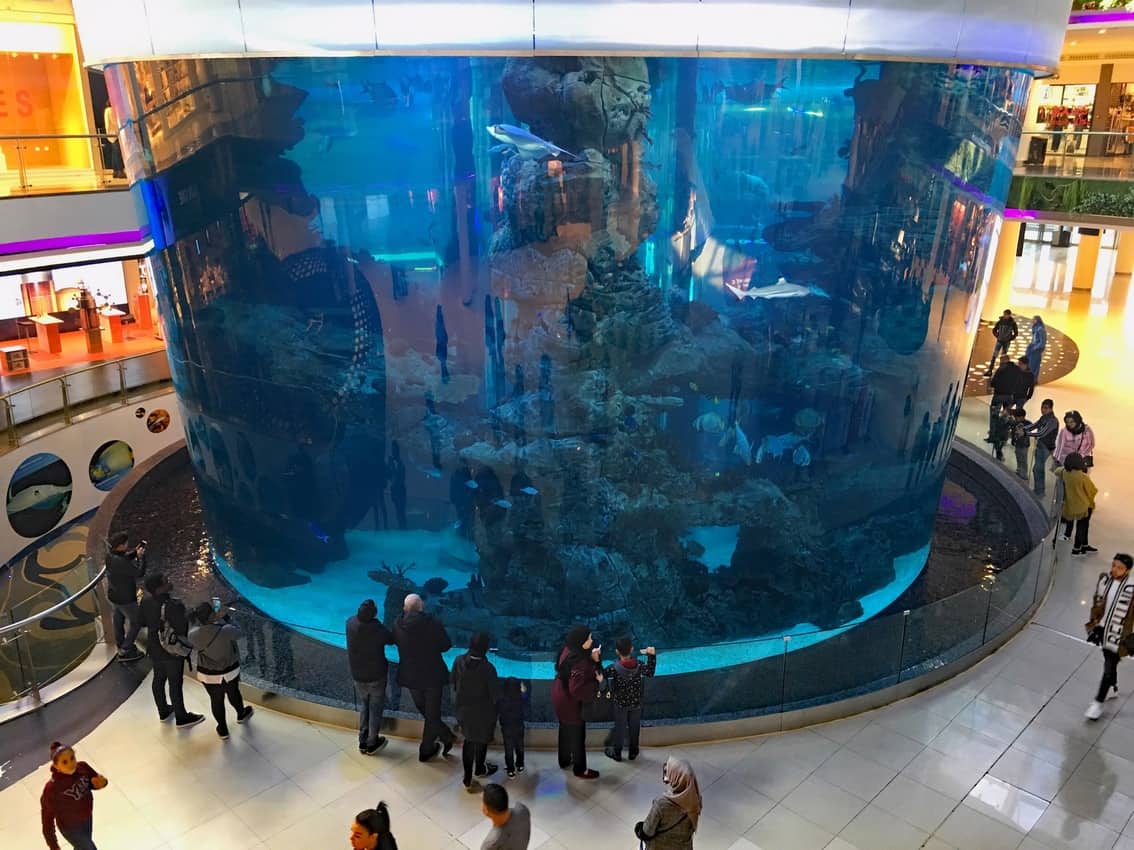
(421, 640)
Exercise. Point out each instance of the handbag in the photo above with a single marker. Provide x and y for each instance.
(640, 831)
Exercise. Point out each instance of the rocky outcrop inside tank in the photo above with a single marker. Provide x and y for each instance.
(608, 542)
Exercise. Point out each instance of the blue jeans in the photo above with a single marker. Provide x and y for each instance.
(627, 723)
(371, 704)
(1039, 468)
(997, 350)
(79, 837)
(124, 639)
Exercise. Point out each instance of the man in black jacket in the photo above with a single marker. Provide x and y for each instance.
(366, 642)
(421, 640)
(1004, 385)
(1005, 332)
(160, 607)
(123, 569)
(1025, 383)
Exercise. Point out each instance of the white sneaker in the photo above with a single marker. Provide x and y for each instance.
(1112, 694)
(1094, 710)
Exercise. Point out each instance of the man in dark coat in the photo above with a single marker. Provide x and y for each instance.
(475, 690)
(366, 642)
(1025, 383)
(1005, 332)
(123, 569)
(159, 607)
(421, 640)
(1004, 385)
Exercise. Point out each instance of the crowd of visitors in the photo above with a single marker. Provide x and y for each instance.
(206, 640)
(1069, 452)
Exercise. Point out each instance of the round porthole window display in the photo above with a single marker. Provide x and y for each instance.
(158, 420)
(110, 464)
(39, 494)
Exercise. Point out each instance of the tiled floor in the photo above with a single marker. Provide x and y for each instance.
(999, 757)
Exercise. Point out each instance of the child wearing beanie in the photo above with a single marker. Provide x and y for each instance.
(66, 802)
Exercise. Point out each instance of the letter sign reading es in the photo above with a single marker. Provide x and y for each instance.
(23, 101)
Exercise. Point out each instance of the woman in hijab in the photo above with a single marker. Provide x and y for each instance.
(673, 817)
(475, 689)
(1076, 437)
(578, 674)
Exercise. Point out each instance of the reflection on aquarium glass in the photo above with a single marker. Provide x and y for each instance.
(671, 347)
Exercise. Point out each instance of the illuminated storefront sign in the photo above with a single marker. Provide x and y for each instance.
(41, 94)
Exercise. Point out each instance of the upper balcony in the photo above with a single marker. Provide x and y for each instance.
(1074, 175)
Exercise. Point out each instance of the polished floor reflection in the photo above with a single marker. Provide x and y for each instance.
(999, 757)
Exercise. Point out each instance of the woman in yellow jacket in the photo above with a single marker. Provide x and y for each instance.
(1079, 493)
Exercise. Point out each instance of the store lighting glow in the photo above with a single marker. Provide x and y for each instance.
(18, 37)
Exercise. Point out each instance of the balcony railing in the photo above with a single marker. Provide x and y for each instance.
(1071, 153)
(57, 401)
(52, 164)
(42, 640)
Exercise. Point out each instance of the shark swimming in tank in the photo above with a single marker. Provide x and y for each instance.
(780, 289)
(528, 145)
(39, 497)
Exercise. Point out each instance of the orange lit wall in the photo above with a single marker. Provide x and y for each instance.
(41, 93)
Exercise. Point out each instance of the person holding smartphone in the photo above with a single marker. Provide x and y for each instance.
(578, 675)
(218, 662)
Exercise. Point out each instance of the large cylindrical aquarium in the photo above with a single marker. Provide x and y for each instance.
(670, 346)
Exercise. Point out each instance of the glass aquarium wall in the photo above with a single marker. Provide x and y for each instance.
(671, 347)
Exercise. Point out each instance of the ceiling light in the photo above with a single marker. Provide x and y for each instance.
(1102, 32)
(1074, 43)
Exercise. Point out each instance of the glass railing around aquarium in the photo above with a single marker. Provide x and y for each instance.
(728, 681)
(58, 400)
(1072, 153)
(45, 635)
(55, 164)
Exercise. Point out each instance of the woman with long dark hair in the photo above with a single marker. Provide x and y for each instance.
(371, 830)
(578, 675)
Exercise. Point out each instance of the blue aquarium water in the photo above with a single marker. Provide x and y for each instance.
(672, 347)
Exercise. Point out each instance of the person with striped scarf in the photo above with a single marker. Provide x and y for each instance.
(1112, 626)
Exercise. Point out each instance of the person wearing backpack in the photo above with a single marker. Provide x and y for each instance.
(168, 647)
(1005, 332)
(218, 662)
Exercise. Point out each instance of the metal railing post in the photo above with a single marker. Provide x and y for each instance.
(21, 166)
(902, 643)
(33, 676)
(66, 400)
(10, 423)
(783, 681)
(987, 616)
(122, 381)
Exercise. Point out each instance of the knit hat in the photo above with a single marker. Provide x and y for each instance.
(57, 749)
